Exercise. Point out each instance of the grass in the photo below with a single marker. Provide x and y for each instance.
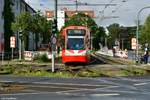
(132, 71)
(28, 70)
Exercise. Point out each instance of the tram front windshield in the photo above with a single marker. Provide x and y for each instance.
(75, 43)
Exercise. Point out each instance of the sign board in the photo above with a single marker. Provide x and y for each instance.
(53, 40)
(12, 41)
(133, 43)
(117, 42)
(28, 55)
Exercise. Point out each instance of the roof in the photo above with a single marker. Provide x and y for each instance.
(23, 1)
(50, 14)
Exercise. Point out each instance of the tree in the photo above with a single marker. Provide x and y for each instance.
(83, 20)
(40, 26)
(32, 23)
(22, 23)
(114, 34)
(145, 32)
(8, 19)
(99, 38)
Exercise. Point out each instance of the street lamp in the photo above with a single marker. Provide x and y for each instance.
(137, 32)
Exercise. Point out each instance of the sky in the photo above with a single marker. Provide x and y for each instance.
(125, 10)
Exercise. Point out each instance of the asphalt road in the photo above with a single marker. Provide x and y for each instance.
(43, 88)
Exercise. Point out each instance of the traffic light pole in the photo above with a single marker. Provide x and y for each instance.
(53, 36)
(20, 45)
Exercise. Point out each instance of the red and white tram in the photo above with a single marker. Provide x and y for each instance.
(76, 44)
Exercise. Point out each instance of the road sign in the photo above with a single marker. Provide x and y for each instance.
(12, 41)
(117, 42)
(28, 55)
(133, 43)
(53, 40)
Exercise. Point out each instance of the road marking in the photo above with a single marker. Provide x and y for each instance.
(84, 89)
(119, 91)
(70, 84)
(108, 94)
(108, 87)
(78, 90)
(139, 84)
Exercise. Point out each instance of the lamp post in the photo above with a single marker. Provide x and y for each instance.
(137, 32)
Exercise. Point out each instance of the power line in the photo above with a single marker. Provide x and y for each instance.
(86, 4)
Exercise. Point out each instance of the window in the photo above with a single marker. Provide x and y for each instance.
(75, 43)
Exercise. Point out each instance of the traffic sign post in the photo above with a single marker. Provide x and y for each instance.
(53, 39)
(134, 47)
(12, 44)
(53, 42)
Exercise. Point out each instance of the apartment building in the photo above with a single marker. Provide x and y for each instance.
(18, 7)
(1, 26)
(61, 14)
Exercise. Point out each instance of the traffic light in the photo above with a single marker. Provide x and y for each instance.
(20, 34)
(54, 26)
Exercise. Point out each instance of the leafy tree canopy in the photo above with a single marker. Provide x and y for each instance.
(84, 20)
(35, 23)
(145, 32)
(114, 33)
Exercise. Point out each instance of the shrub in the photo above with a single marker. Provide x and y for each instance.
(41, 58)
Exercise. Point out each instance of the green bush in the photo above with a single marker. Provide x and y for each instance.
(41, 58)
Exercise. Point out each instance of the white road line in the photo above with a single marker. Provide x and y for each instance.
(78, 90)
(109, 87)
(119, 91)
(139, 84)
(108, 94)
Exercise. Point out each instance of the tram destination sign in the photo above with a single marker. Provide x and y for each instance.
(77, 32)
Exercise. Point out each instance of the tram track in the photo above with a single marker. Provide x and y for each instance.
(109, 60)
(76, 69)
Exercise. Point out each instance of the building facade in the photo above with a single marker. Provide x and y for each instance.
(1, 26)
(18, 7)
(61, 14)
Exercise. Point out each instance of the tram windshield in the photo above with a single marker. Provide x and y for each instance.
(75, 43)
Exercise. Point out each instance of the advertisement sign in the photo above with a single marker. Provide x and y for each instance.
(133, 43)
(12, 41)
